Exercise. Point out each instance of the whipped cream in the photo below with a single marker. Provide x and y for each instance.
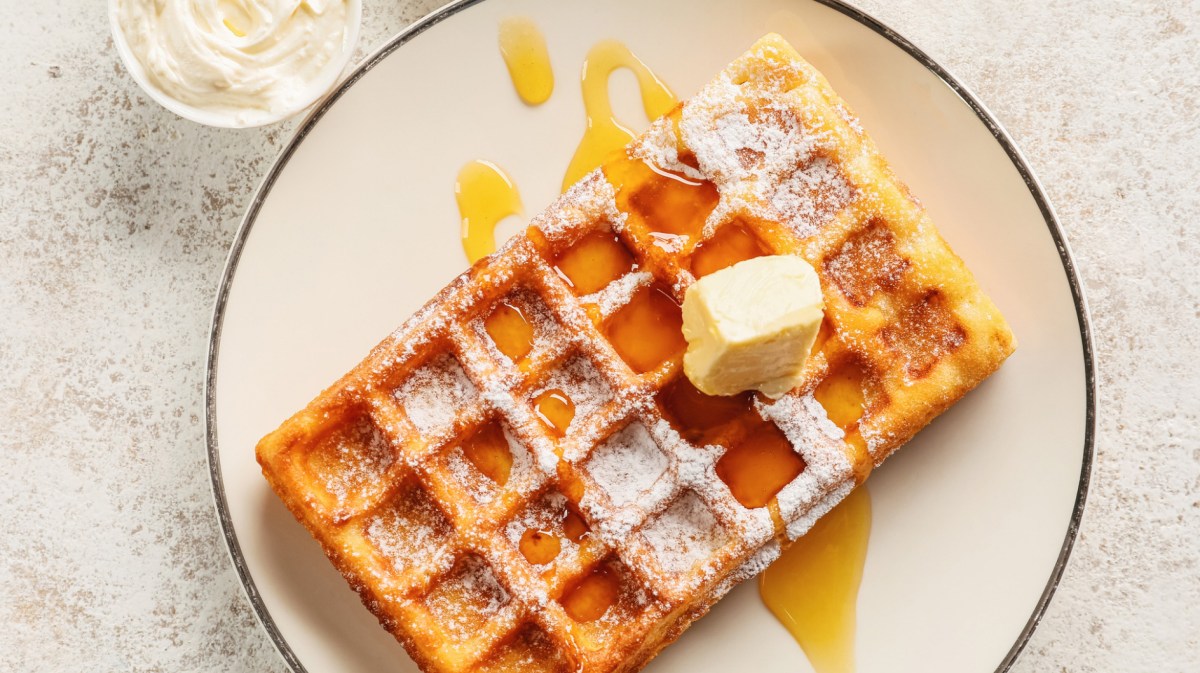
(247, 61)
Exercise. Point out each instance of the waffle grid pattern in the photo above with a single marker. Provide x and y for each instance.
(375, 467)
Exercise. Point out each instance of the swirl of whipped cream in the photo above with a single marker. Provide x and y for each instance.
(246, 59)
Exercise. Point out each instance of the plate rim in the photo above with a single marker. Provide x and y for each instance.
(982, 113)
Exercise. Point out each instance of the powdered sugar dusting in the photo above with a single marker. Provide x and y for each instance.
(409, 529)
(618, 293)
(807, 426)
(737, 142)
(752, 566)
(685, 535)
(811, 195)
(657, 146)
(582, 383)
(481, 487)
(805, 521)
(353, 460)
(469, 597)
(586, 205)
(628, 464)
(545, 514)
(433, 395)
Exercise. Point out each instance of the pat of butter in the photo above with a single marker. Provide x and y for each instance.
(751, 326)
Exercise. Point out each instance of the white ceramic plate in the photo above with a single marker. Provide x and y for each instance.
(356, 226)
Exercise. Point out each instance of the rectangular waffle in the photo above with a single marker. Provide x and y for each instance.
(521, 478)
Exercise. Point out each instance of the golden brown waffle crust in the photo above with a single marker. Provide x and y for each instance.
(371, 467)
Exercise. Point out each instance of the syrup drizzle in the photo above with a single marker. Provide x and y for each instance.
(524, 50)
(604, 134)
(589, 599)
(813, 587)
(555, 409)
(486, 195)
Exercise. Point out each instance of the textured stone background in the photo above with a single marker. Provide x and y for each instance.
(115, 218)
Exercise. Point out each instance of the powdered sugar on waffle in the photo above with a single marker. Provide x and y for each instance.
(629, 468)
(810, 196)
(546, 515)
(695, 470)
(731, 146)
(588, 202)
(627, 465)
(482, 489)
(364, 454)
(751, 154)
(618, 293)
(807, 426)
(433, 395)
(410, 529)
(657, 146)
(535, 312)
(685, 535)
(582, 384)
(474, 582)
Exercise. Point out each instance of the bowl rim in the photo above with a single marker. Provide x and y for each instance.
(320, 87)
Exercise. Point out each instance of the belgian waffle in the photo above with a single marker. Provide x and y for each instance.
(521, 478)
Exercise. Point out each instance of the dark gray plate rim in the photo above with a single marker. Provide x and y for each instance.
(436, 17)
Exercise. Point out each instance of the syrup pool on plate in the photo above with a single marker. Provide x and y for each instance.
(486, 195)
(604, 134)
(812, 589)
(524, 50)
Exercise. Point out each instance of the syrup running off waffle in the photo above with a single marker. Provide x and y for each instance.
(521, 478)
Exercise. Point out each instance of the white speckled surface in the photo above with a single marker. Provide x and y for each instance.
(115, 218)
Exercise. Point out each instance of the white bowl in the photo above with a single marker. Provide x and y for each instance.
(229, 119)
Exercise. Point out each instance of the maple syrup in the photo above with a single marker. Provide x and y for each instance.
(573, 525)
(648, 330)
(698, 416)
(731, 244)
(595, 261)
(510, 331)
(841, 394)
(823, 335)
(592, 596)
(486, 195)
(555, 409)
(759, 466)
(671, 207)
(539, 547)
(488, 451)
(812, 589)
(604, 134)
(524, 50)
(570, 484)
